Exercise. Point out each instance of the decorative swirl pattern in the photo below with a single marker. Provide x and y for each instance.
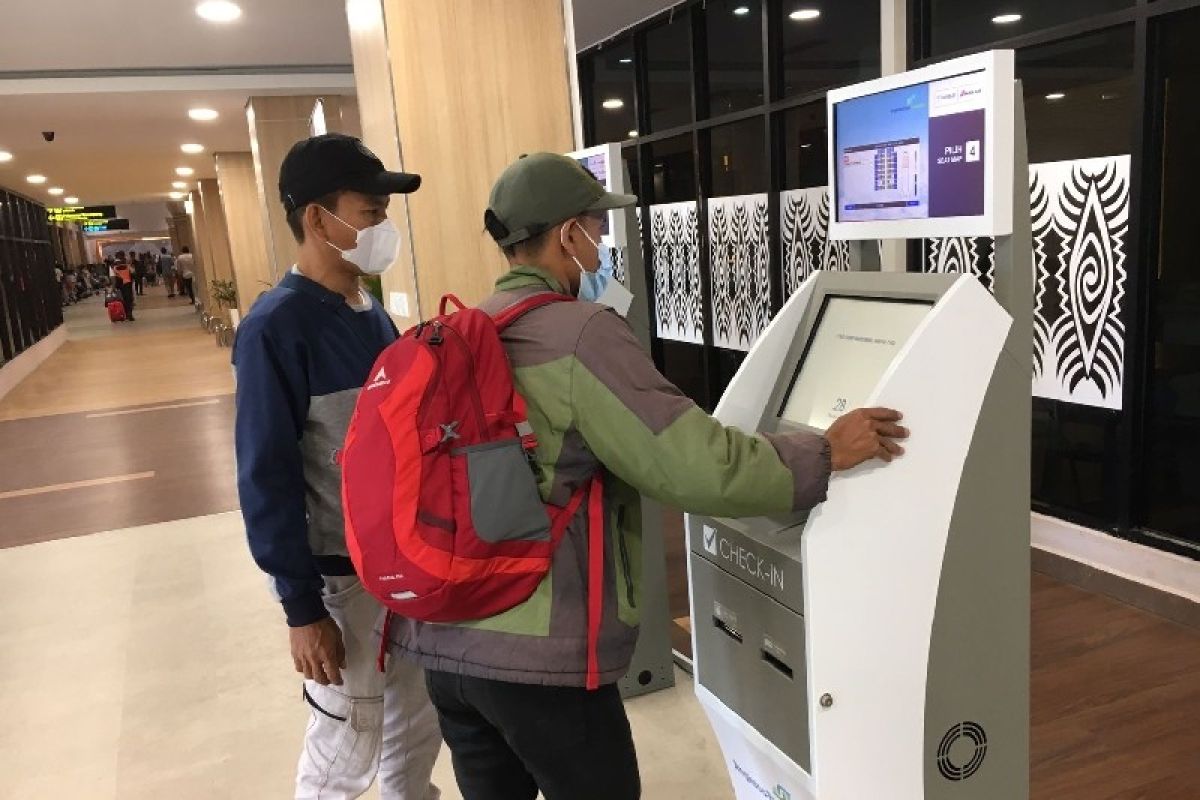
(740, 259)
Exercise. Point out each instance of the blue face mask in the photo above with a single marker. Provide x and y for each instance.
(601, 286)
(593, 284)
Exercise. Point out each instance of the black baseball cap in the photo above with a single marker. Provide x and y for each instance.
(333, 162)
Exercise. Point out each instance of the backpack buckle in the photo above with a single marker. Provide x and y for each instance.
(437, 337)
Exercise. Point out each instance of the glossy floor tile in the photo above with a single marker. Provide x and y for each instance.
(151, 663)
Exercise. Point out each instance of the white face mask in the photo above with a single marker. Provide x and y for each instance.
(376, 248)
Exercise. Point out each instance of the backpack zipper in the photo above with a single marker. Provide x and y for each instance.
(474, 390)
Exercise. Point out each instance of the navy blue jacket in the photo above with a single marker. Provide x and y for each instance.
(301, 356)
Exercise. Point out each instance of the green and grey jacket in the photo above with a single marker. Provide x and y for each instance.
(596, 402)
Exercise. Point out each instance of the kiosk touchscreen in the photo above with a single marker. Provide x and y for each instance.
(877, 647)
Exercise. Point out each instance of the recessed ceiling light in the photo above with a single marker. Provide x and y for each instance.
(806, 145)
(805, 14)
(5, 156)
(71, 201)
(36, 179)
(613, 103)
(633, 134)
(178, 185)
(192, 149)
(626, 61)
(742, 11)
(1105, 96)
(203, 114)
(218, 10)
(55, 190)
(176, 195)
(1055, 96)
(184, 172)
(1006, 19)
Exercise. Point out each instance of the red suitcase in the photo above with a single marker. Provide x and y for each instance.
(116, 311)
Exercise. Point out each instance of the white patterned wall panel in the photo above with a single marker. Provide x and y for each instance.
(675, 248)
(740, 260)
(804, 215)
(1080, 212)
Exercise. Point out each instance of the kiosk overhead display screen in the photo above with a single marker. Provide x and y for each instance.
(923, 147)
(913, 153)
(853, 342)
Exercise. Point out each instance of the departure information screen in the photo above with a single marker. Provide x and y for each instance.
(853, 343)
(916, 152)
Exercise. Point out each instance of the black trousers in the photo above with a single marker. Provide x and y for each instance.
(189, 289)
(510, 740)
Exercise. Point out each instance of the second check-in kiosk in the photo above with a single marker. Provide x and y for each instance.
(877, 648)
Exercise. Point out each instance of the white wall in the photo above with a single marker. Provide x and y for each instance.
(147, 217)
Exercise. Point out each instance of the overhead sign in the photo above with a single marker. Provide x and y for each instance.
(116, 224)
(81, 214)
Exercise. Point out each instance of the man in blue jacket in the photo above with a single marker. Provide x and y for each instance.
(302, 355)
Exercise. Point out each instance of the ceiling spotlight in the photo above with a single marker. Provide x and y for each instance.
(203, 114)
(179, 185)
(192, 149)
(5, 156)
(176, 195)
(613, 103)
(218, 10)
(36, 179)
(806, 145)
(71, 201)
(1055, 96)
(805, 14)
(1006, 19)
(184, 172)
(626, 61)
(633, 134)
(1105, 96)
(742, 11)
(54, 190)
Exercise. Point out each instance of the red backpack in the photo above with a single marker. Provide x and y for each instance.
(444, 522)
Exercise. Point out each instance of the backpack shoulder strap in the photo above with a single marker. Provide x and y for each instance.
(514, 312)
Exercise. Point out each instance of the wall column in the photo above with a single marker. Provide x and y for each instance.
(243, 218)
(212, 238)
(455, 92)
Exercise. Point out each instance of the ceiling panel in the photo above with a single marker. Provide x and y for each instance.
(155, 34)
(116, 147)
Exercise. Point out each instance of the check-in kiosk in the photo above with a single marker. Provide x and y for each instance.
(877, 648)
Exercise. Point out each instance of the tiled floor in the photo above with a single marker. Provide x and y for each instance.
(151, 663)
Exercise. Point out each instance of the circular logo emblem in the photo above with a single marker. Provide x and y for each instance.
(961, 753)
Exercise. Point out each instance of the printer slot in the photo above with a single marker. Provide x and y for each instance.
(778, 664)
(727, 629)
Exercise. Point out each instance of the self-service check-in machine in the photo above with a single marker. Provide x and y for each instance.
(877, 648)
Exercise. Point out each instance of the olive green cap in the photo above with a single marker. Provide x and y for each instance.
(540, 190)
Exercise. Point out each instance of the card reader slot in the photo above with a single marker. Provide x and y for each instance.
(779, 665)
(728, 630)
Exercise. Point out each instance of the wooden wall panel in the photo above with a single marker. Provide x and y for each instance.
(476, 83)
(377, 116)
(243, 219)
(212, 237)
(276, 123)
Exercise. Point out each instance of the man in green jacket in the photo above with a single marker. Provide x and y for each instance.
(509, 690)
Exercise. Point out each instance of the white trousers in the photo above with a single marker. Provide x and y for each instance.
(374, 723)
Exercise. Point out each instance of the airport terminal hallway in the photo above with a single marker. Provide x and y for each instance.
(144, 657)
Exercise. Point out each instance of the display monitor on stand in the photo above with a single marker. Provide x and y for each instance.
(878, 646)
